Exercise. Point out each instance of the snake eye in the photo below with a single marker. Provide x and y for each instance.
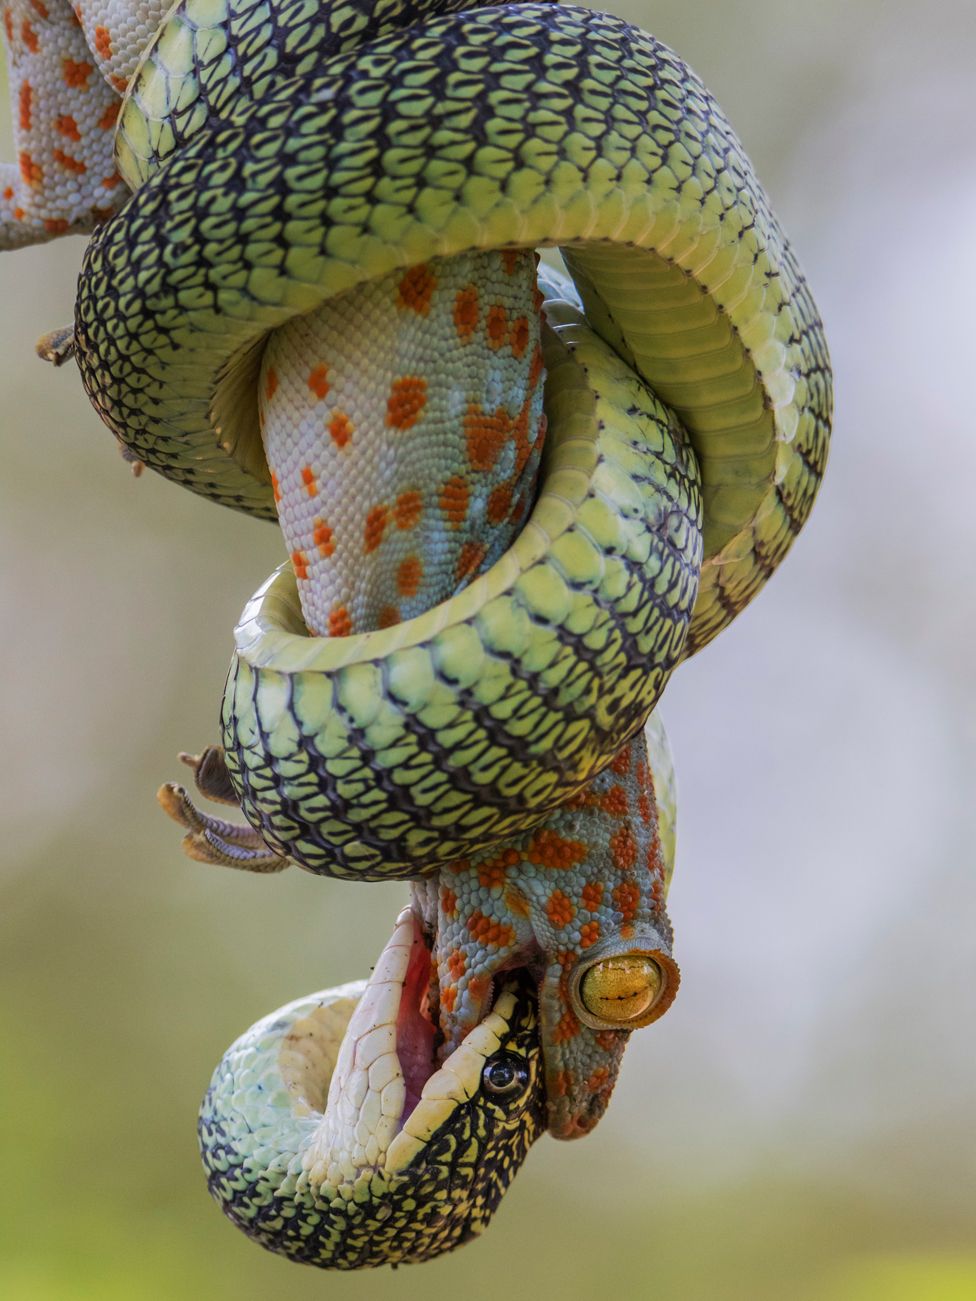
(504, 1074)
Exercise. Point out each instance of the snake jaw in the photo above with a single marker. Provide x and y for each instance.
(388, 1096)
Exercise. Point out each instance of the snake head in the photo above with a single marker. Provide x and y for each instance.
(332, 1133)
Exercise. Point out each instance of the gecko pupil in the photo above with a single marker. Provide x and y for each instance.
(504, 1074)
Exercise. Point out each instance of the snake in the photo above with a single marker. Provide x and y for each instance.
(478, 728)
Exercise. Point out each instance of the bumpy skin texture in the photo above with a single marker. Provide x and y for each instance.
(381, 517)
(260, 1112)
(388, 754)
(588, 884)
(67, 70)
(447, 735)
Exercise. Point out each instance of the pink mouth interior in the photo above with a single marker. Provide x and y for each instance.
(415, 1034)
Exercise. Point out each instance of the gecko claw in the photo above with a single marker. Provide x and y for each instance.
(214, 840)
(57, 346)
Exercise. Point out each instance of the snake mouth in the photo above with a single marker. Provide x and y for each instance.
(389, 1094)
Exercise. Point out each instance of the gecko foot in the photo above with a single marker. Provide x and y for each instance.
(214, 840)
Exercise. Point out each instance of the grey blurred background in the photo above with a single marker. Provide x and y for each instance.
(801, 1124)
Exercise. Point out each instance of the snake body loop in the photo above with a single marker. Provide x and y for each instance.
(288, 160)
(516, 127)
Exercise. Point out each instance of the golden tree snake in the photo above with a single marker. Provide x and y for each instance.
(513, 502)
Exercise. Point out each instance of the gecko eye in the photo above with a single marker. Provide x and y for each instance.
(504, 1074)
(626, 991)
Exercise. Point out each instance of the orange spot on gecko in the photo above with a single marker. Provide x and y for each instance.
(270, 384)
(548, 849)
(448, 902)
(485, 435)
(388, 616)
(497, 326)
(110, 116)
(644, 806)
(8, 192)
(308, 479)
(499, 503)
(623, 848)
(560, 1084)
(614, 801)
(24, 105)
(340, 624)
(29, 37)
(103, 43)
(559, 908)
(120, 84)
(469, 560)
(408, 509)
(66, 126)
(466, 312)
(76, 73)
(29, 170)
(592, 895)
(537, 366)
(608, 1040)
(567, 1027)
(8, 26)
(478, 987)
(598, 1080)
(409, 573)
(489, 931)
(111, 182)
(510, 260)
(375, 527)
(322, 537)
(626, 898)
(449, 997)
(456, 964)
(454, 500)
(340, 429)
(299, 563)
(408, 397)
(39, 8)
(275, 487)
(416, 288)
(318, 380)
(491, 873)
(589, 933)
(57, 225)
(519, 336)
(68, 163)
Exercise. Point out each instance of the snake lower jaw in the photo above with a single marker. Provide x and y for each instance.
(389, 1154)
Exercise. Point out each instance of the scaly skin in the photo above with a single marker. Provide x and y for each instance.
(316, 1142)
(485, 715)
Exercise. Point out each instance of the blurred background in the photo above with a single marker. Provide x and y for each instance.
(801, 1124)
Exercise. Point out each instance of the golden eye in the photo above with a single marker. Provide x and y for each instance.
(622, 989)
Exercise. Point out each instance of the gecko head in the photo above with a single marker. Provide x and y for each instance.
(587, 1018)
